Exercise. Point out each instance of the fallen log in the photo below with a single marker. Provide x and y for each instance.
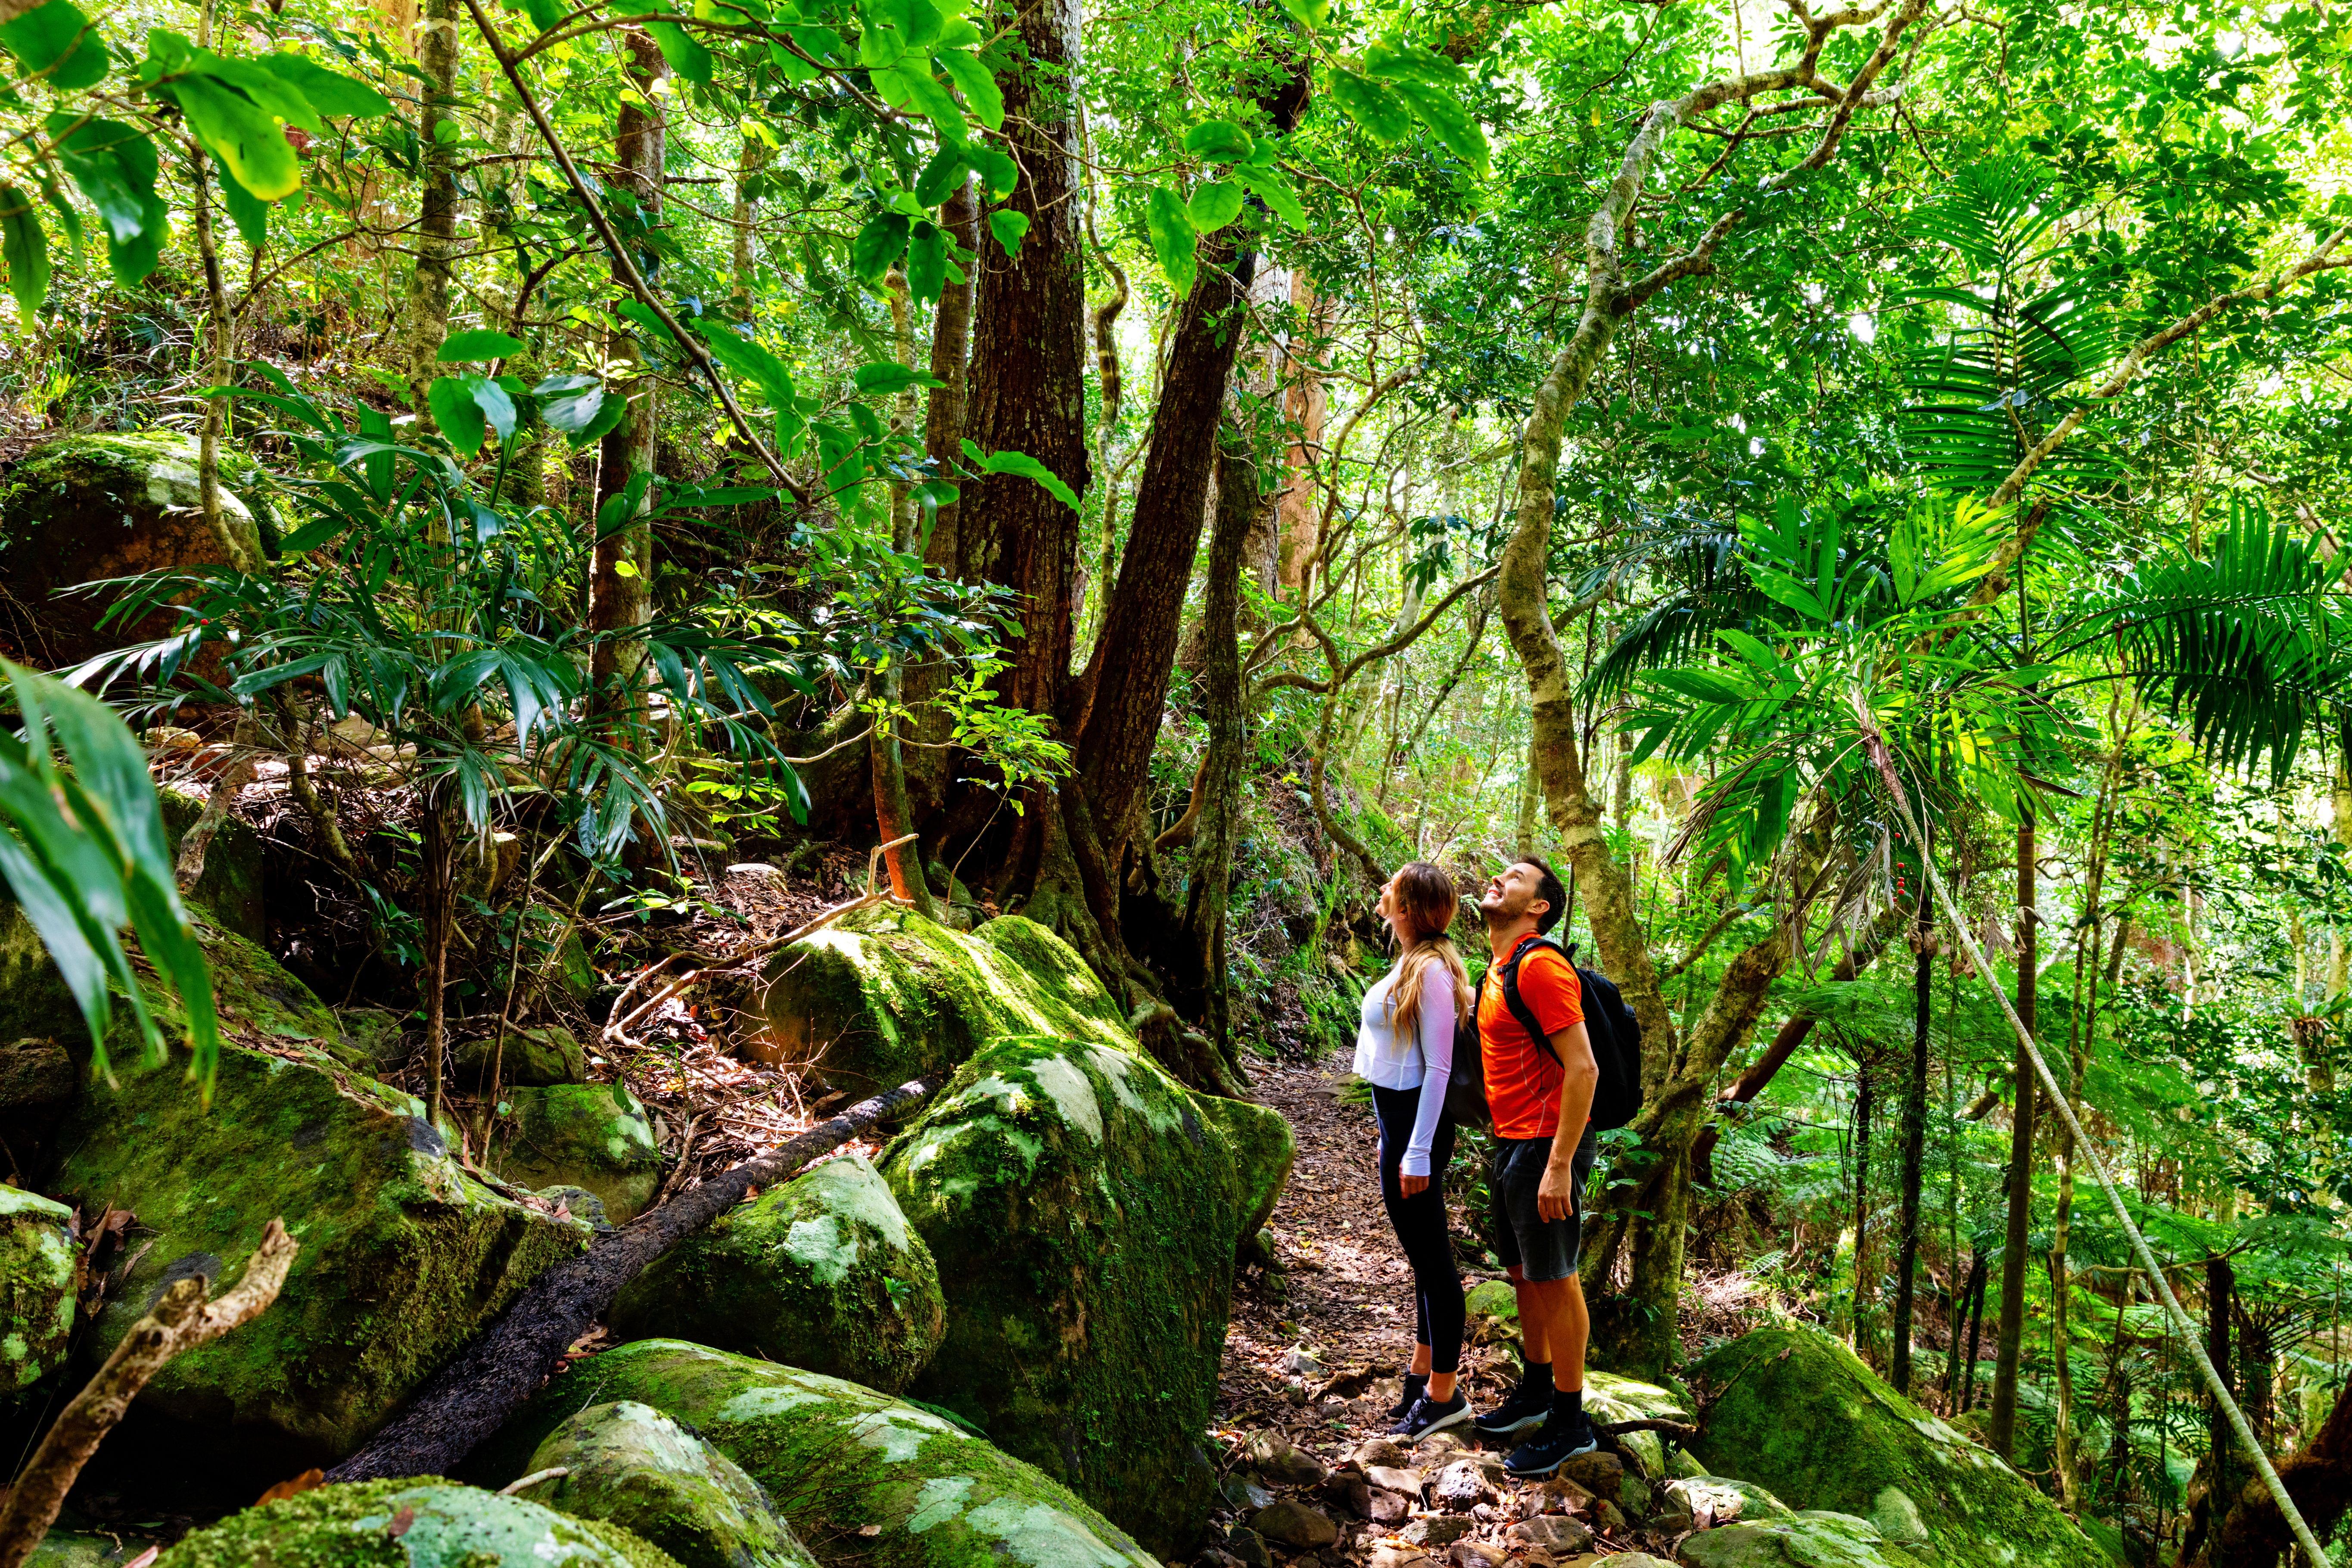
(472, 1395)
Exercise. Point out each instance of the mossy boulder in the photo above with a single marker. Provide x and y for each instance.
(403, 1254)
(79, 1549)
(836, 1458)
(1797, 1411)
(1611, 1398)
(1810, 1539)
(592, 1136)
(88, 507)
(821, 1272)
(410, 1524)
(887, 996)
(231, 890)
(535, 1057)
(1084, 1207)
(628, 1463)
(39, 1271)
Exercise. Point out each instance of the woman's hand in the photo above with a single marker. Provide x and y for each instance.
(1412, 1186)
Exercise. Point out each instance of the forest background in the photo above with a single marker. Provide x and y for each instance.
(1178, 464)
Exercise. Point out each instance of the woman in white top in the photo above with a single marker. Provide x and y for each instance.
(1405, 1050)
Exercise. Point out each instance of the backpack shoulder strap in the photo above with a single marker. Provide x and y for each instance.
(1517, 1003)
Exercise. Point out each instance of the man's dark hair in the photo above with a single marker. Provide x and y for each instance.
(1547, 889)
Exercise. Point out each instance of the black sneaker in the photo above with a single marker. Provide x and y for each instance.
(1526, 1407)
(1429, 1416)
(1539, 1456)
(1414, 1384)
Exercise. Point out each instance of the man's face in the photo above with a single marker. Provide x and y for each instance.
(1510, 894)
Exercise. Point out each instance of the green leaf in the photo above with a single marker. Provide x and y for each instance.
(1219, 139)
(571, 403)
(997, 172)
(883, 377)
(240, 134)
(1213, 206)
(25, 247)
(749, 359)
(1025, 466)
(544, 14)
(1382, 114)
(481, 343)
(1170, 225)
(913, 86)
(1309, 14)
(456, 414)
(977, 83)
(926, 262)
(56, 42)
(1009, 228)
(1442, 114)
(1411, 62)
(684, 52)
(329, 93)
(878, 245)
(131, 260)
(498, 408)
(940, 176)
(250, 216)
(1270, 188)
(113, 165)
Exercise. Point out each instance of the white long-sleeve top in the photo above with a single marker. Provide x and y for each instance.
(1422, 1058)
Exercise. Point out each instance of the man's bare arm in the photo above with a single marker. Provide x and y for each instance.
(1556, 1197)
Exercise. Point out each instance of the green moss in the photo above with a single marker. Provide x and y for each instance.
(231, 890)
(447, 1526)
(535, 1057)
(821, 1272)
(1084, 1209)
(887, 996)
(836, 1458)
(76, 1548)
(578, 1134)
(404, 1254)
(1811, 1540)
(1796, 1411)
(628, 1463)
(1263, 1148)
(37, 1273)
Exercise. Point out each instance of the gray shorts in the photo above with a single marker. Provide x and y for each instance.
(1542, 1249)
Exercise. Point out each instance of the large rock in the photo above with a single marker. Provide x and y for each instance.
(821, 1272)
(533, 1057)
(1797, 1411)
(1811, 1539)
(232, 888)
(838, 1458)
(39, 1271)
(440, 1525)
(1083, 1208)
(628, 1463)
(403, 1254)
(887, 996)
(88, 507)
(584, 1136)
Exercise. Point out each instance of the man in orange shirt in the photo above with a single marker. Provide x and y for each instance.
(1540, 1091)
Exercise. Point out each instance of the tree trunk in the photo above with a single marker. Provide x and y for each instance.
(1306, 400)
(1959, 1374)
(1865, 1276)
(747, 165)
(1126, 681)
(1915, 1141)
(438, 916)
(1220, 768)
(892, 813)
(2220, 1297)
(1028, 371)
(621, 583)
(436, 219)
(2319, 1479)
(944, 412)
(2001, 1428)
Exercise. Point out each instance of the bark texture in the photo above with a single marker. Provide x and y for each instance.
(2001, 1426)
(1219, 792)
(436, 217)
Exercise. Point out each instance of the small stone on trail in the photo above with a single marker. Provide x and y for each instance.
(1391, 1478)
(1299, 1363)
(1242, 1493)
(1247, 1547)
(1379, 1451)
(1600, 1474)
(1477, 1554)
(1288, 1523)
(1634, 1497)
(1437, 1529)
(1460, 1487)
(1386, 1508)
(1395, 1554)
(1610, 1518)
(1432, 1450)
(1554, 1531)
(1282, 1464)
(1347, 1493)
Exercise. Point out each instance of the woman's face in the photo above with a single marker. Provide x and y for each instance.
(1391, 908)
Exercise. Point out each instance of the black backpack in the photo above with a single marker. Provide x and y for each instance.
(1610, 1025)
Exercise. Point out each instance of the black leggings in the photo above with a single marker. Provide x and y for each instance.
(1420, 1222)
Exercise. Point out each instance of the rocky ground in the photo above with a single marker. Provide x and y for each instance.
(1311, 1368)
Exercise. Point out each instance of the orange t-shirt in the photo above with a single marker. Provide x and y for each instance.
(1522, 1076)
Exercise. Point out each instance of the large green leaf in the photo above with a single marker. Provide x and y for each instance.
(478, 344)
(329, 93)
(1024, 465)
(1268, 186)
(940, 176)
(26, 248)
(250, 216)
(456, 413)
(1219, 139)
(1009, 228)
(1213, 206)
(926, 262)
(977, 83)
(1452, 123)
(878, 245)
(749, 359)
(241, 134)
(883, 377)
(1371, 104)
(113, 165)
(1412, 62)
(54, 42)
(683, 50)
(1170, 225)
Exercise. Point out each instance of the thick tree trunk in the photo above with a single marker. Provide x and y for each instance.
(1028, 373)
(892, 813)
(1914, 1146)
(1306, 400)
(621, 583)
(2000, 1427)
(436, 218)
(1126, 681)
(747, 165)
(944, 412)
